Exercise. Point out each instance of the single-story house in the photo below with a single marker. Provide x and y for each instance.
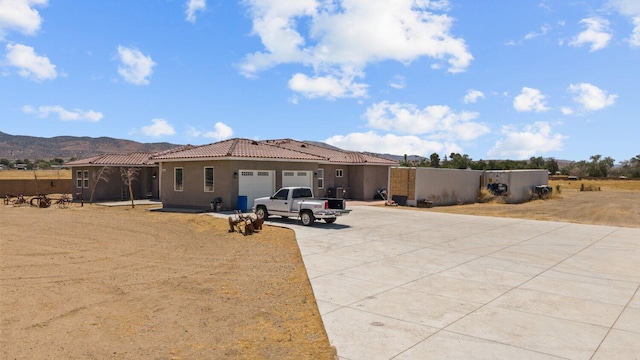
(234, 172)
(102, 175)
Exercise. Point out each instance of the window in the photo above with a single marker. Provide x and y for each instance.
(320, 173)
(339, 173)
(79, 179)
(177, 179)
(85, 179)
(301, 193)
(282, 194)
(208, 179)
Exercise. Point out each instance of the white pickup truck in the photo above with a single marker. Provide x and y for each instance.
(299, 202)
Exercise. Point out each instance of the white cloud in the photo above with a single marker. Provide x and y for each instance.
(159, 127)
(591, 97)
(63, 114)
(398, 82)
(566, 110)
(634, 40)
(391, 144)
(472, 96)
(221, 132)
(598, 34)
(30, 65)
(135, 67)
(437, 122)
(533, 140)
(327, 86)
(530, 100)
(344, 37)
(20, 15)
(193, 6)
(631, 9)
(544, 29)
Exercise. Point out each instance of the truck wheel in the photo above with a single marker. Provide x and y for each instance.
(307, 218)
(261, 212)
(330, 221)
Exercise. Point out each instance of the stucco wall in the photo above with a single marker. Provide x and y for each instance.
(143, 186)
(226, 185)
(520, 182)
(446, 186)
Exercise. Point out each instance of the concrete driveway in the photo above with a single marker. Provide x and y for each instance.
(393, 283)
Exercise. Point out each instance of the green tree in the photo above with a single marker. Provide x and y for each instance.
(605, 165)
(634, 164)
(599, 167)
(536, 163)
(458, 161)
(405, 162)
(434, 160)
(552, 166)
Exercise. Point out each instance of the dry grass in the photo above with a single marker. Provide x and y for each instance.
(29, 174)
(603, 184)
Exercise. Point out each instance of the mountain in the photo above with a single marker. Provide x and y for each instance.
(18, 147)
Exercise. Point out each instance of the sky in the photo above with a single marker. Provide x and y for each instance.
(493, 79)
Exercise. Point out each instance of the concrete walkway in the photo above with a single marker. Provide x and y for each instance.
(393, 283)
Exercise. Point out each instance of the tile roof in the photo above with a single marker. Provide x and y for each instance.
(331, 154)
(238, 148)
(283, 149)
(136, 158)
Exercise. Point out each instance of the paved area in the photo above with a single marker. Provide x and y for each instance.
(393, 283)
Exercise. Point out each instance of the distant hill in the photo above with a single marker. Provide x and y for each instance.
(17, 147)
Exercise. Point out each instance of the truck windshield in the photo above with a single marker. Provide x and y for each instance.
(302, 193)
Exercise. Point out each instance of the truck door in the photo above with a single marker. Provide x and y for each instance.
(279, 203)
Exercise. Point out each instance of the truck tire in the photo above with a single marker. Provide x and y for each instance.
(330, 220)
(307, 218)
(261, 212)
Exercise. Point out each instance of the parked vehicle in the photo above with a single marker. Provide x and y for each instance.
(299, 202)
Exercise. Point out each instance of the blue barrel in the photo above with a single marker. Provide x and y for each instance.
(242, 203)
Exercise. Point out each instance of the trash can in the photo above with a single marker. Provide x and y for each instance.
(242, 203)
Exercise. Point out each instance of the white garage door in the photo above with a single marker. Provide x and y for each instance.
(256, 183)
(297, 178)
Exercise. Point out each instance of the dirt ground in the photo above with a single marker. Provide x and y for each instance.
(95, 282)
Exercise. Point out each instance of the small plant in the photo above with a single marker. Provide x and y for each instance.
(558, 189)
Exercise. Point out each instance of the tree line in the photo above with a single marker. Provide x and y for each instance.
(29, 165)
(596, 166)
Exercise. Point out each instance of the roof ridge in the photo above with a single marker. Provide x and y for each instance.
(232, 147)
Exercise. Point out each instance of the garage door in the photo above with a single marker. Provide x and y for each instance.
(297, 178)
(256, 183)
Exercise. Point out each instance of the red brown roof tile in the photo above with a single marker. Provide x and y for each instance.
(238, 148)
(131, 159)
(332, 155)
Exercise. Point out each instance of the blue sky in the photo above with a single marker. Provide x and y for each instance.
(491, 79)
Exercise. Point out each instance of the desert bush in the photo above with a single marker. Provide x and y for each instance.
(589, 188)
(487, 196)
